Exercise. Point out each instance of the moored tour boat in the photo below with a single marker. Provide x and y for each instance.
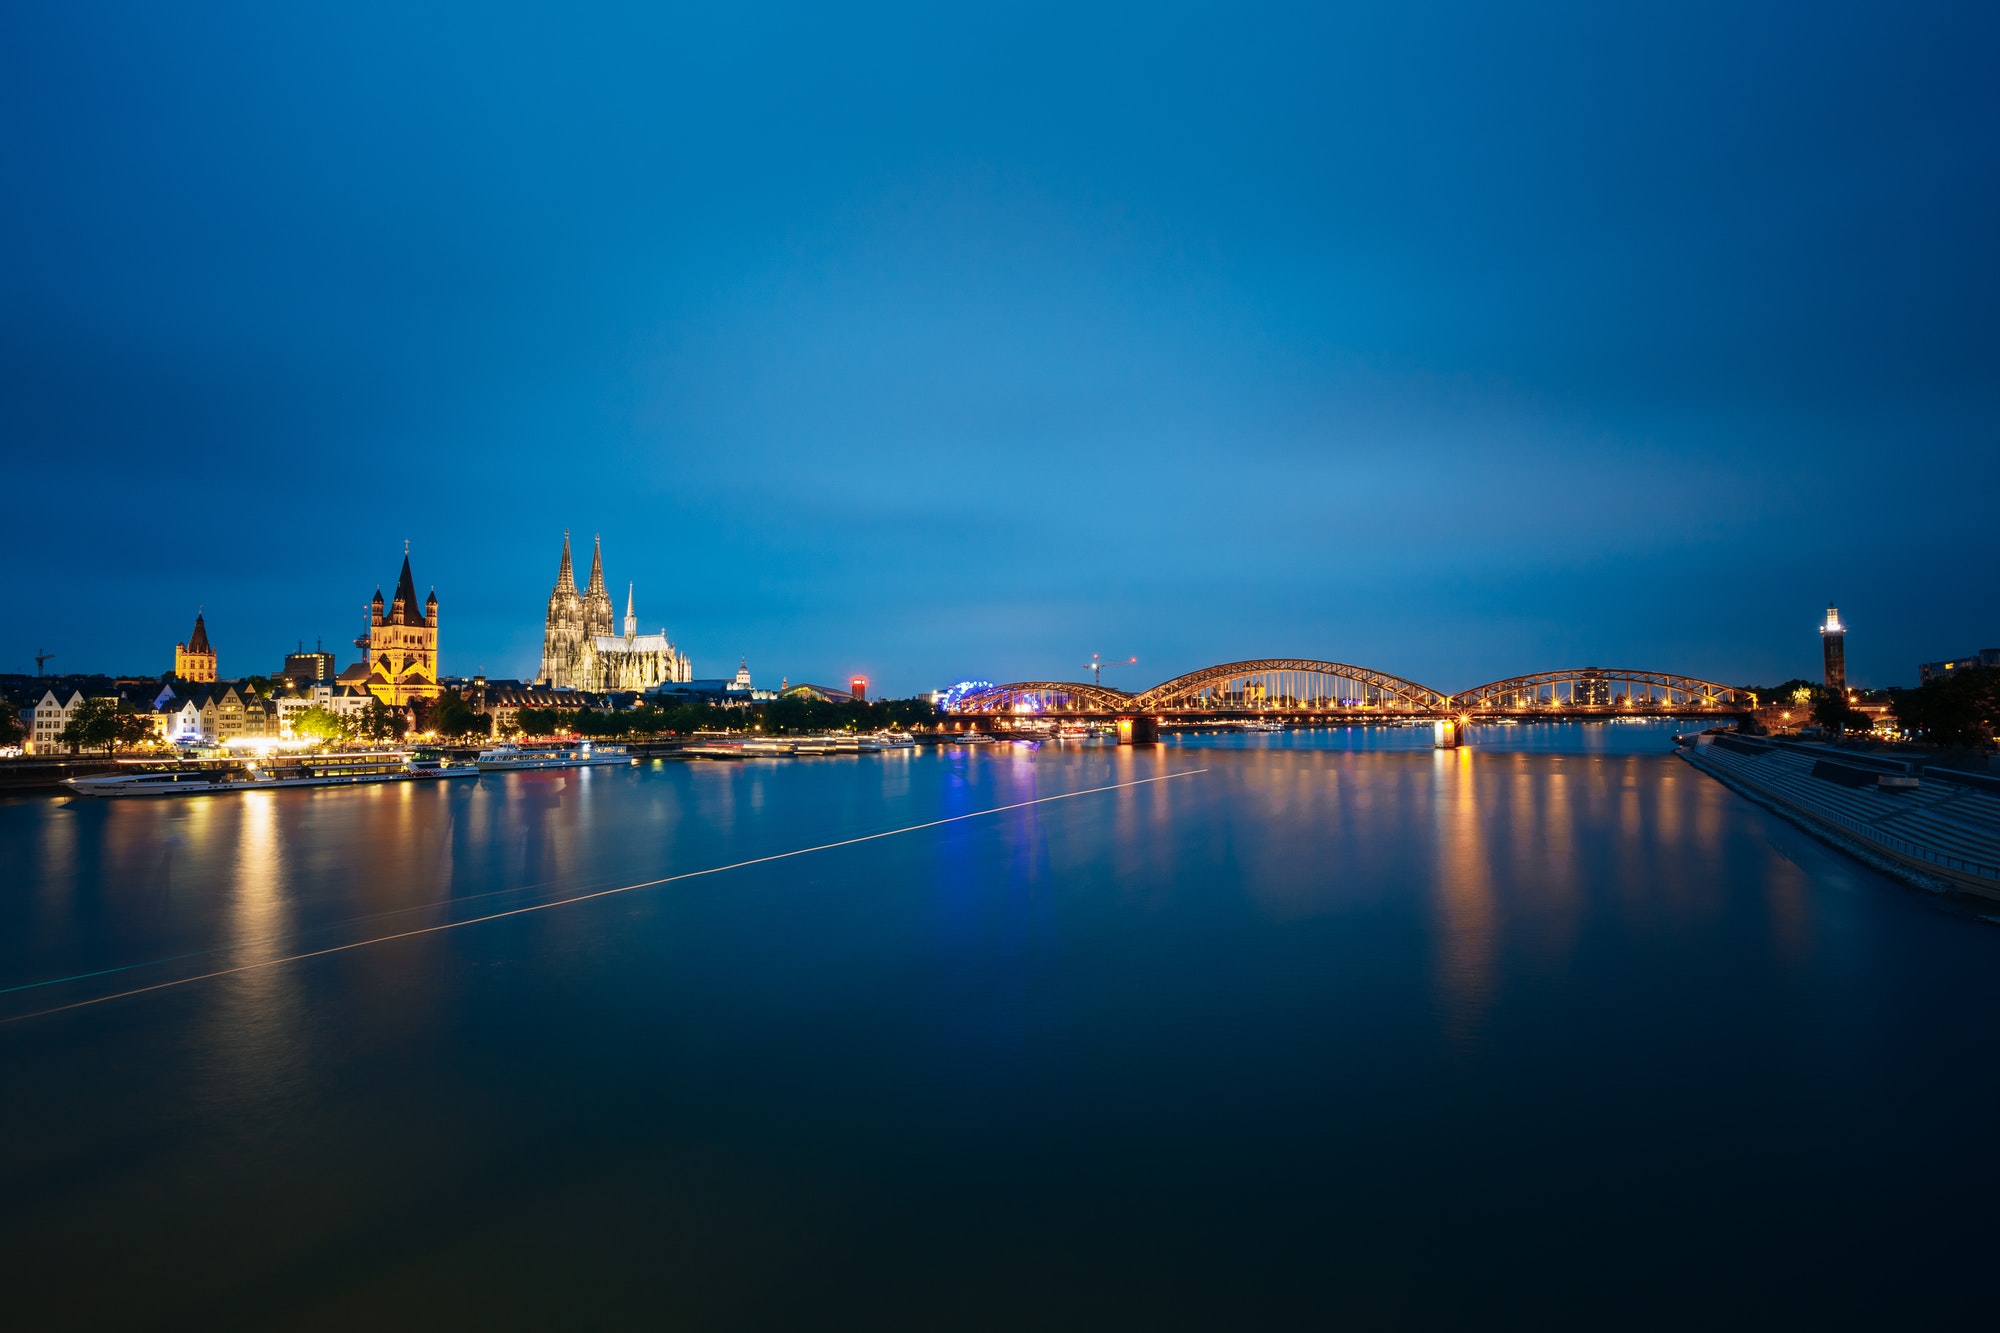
(282, 770)
(588, 754)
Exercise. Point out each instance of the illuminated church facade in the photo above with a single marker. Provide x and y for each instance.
(581, 648)
(402, 644)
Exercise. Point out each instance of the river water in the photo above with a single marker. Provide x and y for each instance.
(1243, 1031)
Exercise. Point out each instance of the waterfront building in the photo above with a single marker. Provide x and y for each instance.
(307, 668)
(346, 701)
(858, 687)
(51, 714)
(1986, 658)
(220, 712)
(825, 694)
(503, 700)
(180, 722)
(195, 659)
(581, 649)
(1833, 644)
(730, 692)
(403, 644)
(716, 691)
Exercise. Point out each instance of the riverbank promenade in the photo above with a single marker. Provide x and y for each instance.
(1942, 826)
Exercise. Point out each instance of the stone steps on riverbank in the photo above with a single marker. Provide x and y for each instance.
(1942, 829)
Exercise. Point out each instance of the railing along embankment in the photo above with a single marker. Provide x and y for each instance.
(1937, 827)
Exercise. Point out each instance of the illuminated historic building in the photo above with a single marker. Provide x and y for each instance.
(581, 649)
(195, 660)
(403, 644)
(1833, 640)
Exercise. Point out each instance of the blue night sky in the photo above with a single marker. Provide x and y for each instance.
(931, 343)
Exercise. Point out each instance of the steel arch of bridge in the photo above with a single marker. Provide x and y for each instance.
(1046, 696)
(1309, 685)
(1288, 684)
(1607, 688)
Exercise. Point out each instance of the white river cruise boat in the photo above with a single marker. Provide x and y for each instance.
(588, 754)
(275, 771)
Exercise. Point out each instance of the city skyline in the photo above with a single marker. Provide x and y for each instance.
(1124, 666)
(1139, 673)
(1409, 340)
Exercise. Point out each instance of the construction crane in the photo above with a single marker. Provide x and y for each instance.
(1097, 667)
(42, 655)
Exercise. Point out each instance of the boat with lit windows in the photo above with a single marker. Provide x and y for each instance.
(437, 764)
(177, 782)
(586, 754)
(270, 771)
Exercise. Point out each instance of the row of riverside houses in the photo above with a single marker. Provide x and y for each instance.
(190, 713)
(218, 712)
(194, 705)
(215, 712)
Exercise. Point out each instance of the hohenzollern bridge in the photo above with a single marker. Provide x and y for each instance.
(1306, 690)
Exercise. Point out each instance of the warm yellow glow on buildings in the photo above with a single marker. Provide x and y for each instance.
(195, 660)
(403, 644)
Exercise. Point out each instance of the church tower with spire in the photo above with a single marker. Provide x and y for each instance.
(563, 634)
(403, 643)
(195, 660)
(596, 601)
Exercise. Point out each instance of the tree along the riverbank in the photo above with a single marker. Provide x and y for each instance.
(1962, 709)
(1831, 710)
(451, 716)
(777, 717)
(110, 723)
(646, 720)
(320, 724)
(789, 716)
(1794, 691)
(383, 723)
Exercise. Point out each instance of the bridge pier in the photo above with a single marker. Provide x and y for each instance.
(1448, 733)
(1138, 731)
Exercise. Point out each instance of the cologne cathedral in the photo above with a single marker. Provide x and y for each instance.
(582, 651)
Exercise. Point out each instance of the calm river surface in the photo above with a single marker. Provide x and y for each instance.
(1323, 1028)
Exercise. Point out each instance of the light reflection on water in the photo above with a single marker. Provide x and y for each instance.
(1339, 1004)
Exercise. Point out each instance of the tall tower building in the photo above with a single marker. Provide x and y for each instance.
(195, 660)
(596, 601)
(1833, 642)
(563, 634)
(403, 644)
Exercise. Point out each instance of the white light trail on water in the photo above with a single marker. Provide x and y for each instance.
(587, 897)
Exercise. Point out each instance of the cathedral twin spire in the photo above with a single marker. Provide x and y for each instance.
(581, 648)
(596, 601)
(593, 607)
